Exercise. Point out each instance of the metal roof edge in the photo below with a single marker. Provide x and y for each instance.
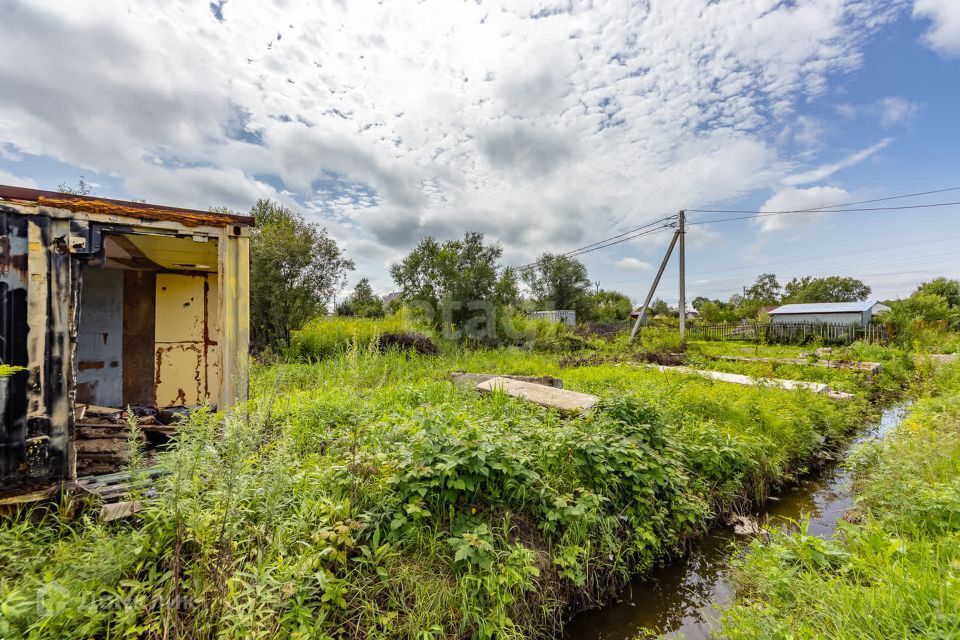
(109, 206)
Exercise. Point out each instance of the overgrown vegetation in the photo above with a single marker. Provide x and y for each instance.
(890, 574)
(364, 495)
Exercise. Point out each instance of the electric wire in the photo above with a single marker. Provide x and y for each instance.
(768, 214)
(831, 206)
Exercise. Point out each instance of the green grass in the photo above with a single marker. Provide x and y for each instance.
(364, 495)
(895, 572)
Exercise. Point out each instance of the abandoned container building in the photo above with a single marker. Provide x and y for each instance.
(106, 304)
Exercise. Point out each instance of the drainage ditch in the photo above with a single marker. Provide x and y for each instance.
(686, 598)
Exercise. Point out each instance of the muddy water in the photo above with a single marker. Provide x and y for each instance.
(686, 598)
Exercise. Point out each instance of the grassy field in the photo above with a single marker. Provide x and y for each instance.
(365, 495)
(892, 573)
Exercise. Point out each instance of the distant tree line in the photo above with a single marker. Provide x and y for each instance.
(461, 285)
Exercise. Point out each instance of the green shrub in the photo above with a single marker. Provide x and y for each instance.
(326, 336)
(892, 573)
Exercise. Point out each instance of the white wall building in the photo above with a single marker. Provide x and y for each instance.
(829, 312)
(566, 316)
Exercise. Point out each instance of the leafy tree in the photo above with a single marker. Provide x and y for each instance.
(716, 311)
(829, 289)
(660, 308)
(506, 292)
(765, 290)
(295, 267)
(456, 282)
(604, 306)
(699, 301)
(928, 307)
(944, 287)
(362, 302)
(83, 188)
(557, 282)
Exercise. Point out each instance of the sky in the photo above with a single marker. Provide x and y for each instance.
(546, 125)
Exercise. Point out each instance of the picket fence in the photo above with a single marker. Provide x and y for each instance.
(790, 332)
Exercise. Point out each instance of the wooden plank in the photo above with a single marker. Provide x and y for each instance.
(737, 378)
(117, 510)
(551, 397)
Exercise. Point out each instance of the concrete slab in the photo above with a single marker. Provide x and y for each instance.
(545, 396)
(471, 380)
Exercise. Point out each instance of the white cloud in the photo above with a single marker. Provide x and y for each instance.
(827, 170)
(895, 110)
(633, 264)
(944, 33)
(16, 181)
(792, 199)
(392, 121)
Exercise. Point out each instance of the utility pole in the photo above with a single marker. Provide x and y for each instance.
(656, 281)
(681, 230)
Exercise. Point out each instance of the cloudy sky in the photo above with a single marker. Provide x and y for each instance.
(546, 125)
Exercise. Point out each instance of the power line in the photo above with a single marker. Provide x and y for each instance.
(879, 252)
(612, 240)
(767, 214)
(644, 230)
(665, 227)
(831, 206)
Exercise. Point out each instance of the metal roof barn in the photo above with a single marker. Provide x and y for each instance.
(829, 312)
(106, 304)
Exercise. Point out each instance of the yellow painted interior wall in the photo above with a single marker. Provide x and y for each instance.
(187, 366)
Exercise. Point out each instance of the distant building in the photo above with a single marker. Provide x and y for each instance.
(390, 297)
(566, 316)
(829, 312)
(692, 314)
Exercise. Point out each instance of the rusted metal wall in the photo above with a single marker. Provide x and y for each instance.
(13, 348)
(51, 341)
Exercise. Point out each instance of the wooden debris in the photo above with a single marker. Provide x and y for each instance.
(737, 378)
(744, 525)
(117, 510)
(113, 486)
(942, 358)
(869, 368)
(543, 395)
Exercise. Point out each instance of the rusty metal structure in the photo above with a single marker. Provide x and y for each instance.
(107, 303)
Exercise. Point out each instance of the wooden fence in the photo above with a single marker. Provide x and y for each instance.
(790, 332)
(609, 328)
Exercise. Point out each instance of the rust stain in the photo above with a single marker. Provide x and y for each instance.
(156, 382)
(186, 217)
(90, 364)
